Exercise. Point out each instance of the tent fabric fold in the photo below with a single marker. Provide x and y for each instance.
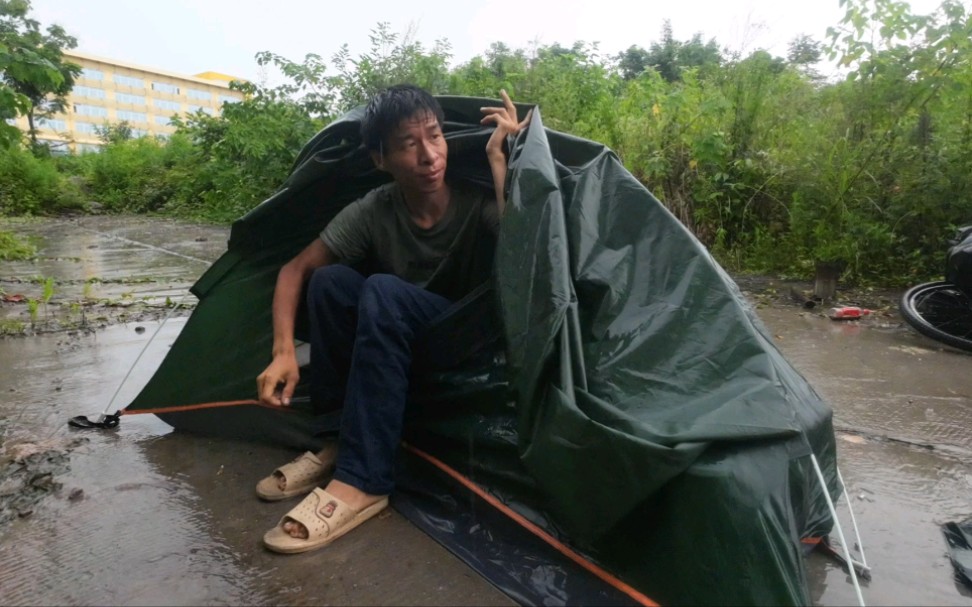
(617, 388)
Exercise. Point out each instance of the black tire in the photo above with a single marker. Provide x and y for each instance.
(941, 311)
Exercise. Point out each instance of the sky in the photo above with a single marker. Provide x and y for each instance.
(192, 36)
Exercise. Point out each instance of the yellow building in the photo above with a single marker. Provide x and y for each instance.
(110, 91)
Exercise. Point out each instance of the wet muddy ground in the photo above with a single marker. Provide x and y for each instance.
(140, 515)
(95, 271)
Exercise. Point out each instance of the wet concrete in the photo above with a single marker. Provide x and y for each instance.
(142, 515)
(103, 270)
(903, 411)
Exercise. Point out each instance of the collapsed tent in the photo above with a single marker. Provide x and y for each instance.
(611, 386)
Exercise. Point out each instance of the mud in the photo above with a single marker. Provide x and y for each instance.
(142, 515)
(29, 472)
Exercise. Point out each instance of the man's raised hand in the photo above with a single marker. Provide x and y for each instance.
(505, 120)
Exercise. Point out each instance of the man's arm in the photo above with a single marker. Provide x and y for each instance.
(504, 118)
(276, 384)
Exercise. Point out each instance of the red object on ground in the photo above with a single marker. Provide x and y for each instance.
(848, 313)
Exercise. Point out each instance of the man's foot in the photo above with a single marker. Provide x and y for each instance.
(299, 476)
(327, 456)
(322, 517)
(355, 498)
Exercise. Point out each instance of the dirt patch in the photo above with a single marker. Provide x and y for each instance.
(19, 318)
(767, 291)
(29, 471)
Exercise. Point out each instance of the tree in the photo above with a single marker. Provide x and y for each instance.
(804, 52)
(498, 68)
(235, 160)
(114, 133)
(633, 62)
(670, 56)
(36, 79)
(391, 60)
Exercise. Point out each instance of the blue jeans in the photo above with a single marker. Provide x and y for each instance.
(361, 336)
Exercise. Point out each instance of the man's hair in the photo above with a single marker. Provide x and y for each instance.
(389, 107)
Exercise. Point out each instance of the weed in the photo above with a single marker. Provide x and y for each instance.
(47, 295)
(14, 248)
(10, 326)
(32, 305)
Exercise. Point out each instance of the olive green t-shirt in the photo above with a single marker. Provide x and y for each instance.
(450, 258)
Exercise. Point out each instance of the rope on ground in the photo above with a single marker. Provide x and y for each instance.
(106, 421)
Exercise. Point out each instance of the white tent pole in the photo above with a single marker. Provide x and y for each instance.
(840, 532)
(857, 533)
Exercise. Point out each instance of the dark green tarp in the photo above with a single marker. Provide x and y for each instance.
(639, 409)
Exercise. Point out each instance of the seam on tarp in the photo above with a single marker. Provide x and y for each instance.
(518, 518)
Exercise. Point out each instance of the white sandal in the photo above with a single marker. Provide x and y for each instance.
(325, 517)
(299, 476)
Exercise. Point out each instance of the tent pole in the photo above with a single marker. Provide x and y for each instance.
(840, 532)
(857, 533)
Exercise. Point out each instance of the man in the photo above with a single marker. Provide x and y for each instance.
(414, 230)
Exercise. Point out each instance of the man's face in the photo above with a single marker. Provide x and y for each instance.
(415, 154)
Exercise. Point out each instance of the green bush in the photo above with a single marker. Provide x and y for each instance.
(130, 175)
(33, 186)
(224, 167)
(14, 248)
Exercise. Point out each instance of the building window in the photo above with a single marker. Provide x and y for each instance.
(57, 147)
(162, 104)
(163, 120)
(54, 125)
(88, 147)
(92, 74)
(197, 94)
(87, 91)
(139, 133)
(162, 87)
(131, 116)
(132, 99)
(90, 110)
(85, 127)
(135, 83)
(228, 99)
